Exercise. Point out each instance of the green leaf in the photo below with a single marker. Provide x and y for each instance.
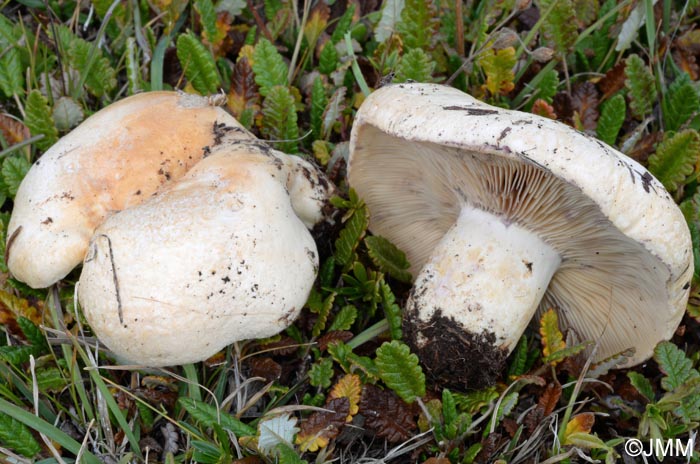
(419, 24)
(546, 88)
(287, 455)
(449, 407)
(400, 371)
(208, 415)
(507, 405)
(67, 114)
(388, 258)
(640, 85)
(11, 72)
(50, 380)
(319, 100)
(33, 333)
(269, 67)
(198, 64)
(392, 311)
(280, 119)
(474, 401)
(207, 16)
(552, 338)
(691, 212)
(343, 24)
(498, 66)
(558, 28)
(14, 169)
(415, 65)
(391, 15)
(37, 117)
(678, 369)
(565, 353)
(612, 115)
(675, 158)
(85, 57)
(321, 373)
(344, 319)
(17, 437)
(322, 317)
(519, 359)
(350, 236)
(680, 103)
(642, 384)
(16, 355)
(328, 59)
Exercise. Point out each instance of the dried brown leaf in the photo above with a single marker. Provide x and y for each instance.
(12, 131)
(334, 336)
(435, 460)
(542, 108)
(489, 447)
(549, 399)
(563, 107)
(585, 104)
(283, 347)
(386, 414)
(266, 368)
(321, 427)
(243, 92)
(613, 81)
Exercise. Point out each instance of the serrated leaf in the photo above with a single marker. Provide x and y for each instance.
(612, 115)
(38, 118)
(642, 384)
(16, 355)
(50, 380)
(349, 387)
(518, 359)
(33, 334)
(209, 416)
(350, 236)
(547, 86)
(415, 65)
(14, 168)
(640, 85)
(275, 431)
(449, 407)
(675, 158)
(391, 15)
(17, 437)
(558, 28)
(680, 103)
(612, 362)
(344, 319)
(498, 66)
(388, 258)
(676, 366)
(343, 24)
(20, 307)
(392, 311)
(321, 373)
(11, 72)
(419, 24)
(317, 431)
(322, 315)
(316, 23)
(691, 212)
(333, 112)
(399, 370)
(552, 338)
(86, 57)
(328, 59)
(319, 101)
(268, 66)
(198, 64)
(473, 401)
(207, 17)
(280, 118)
(566, 352)
(243, 94)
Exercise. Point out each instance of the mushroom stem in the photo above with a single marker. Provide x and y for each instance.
(489, 275)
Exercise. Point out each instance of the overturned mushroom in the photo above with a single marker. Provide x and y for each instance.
(115, 159)
(501, 213)
(222, 255)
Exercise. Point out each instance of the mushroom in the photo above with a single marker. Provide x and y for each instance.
(502, 214)
(115, 159)
(222, 255)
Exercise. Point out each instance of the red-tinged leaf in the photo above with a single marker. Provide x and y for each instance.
(489, 447)
(334, 336)
(585, 104)
(244, 91)
(282, 347)
(687, 62)
(12, 130)
(613, 81)
(563, 107)
(386, 414)
(266, 368)
(542, 108)
(549, 399)
(646, 146)
(534, 418)
(690, 41)
(321, 427)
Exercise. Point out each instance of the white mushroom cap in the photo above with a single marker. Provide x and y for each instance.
(115, 159)
(221, 255)
(437, 167)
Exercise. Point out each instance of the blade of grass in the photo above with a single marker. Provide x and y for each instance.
(192, 382)
(356, 67)
(41, 426)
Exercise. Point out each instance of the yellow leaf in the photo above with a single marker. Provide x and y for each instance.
(12, 307)
(348, 387)
(311, 443)
(580, 423)
(316, 24)
(246, 52)
(498, 66)
(552, 338)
